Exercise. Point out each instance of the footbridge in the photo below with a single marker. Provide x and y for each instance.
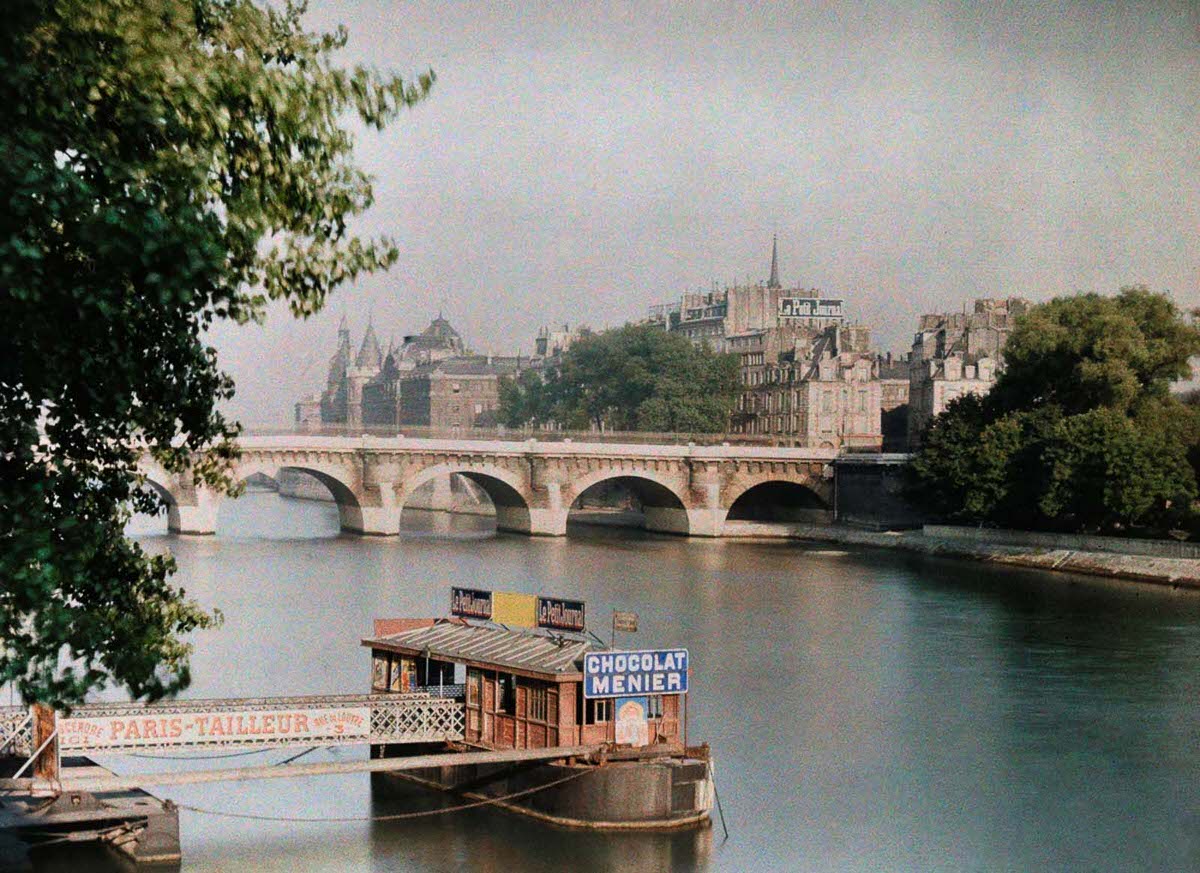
(685, 489)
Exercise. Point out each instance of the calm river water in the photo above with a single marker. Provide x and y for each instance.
(868, 710)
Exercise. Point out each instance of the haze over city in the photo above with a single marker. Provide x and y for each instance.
(579, 163)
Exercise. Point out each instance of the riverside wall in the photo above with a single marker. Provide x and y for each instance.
(1162, 569)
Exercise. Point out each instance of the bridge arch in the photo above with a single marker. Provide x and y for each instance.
(664, 509)
(505, 489)
(350, 514)
(775, 499)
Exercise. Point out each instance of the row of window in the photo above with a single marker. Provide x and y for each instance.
(601, 711)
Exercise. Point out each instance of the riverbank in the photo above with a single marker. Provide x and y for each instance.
(1169, 572)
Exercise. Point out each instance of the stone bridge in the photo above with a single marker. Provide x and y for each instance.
(683, 489)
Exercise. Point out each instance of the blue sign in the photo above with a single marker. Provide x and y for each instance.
(625, 674)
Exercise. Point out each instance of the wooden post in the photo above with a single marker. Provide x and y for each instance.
(46, 766)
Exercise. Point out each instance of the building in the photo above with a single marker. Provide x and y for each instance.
(431, 379)
(893, 375)
(807, 374)
(552, 342)
(955, 354)
(715, 316)
(821, 389)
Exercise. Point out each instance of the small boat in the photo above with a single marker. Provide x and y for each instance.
(529, 676)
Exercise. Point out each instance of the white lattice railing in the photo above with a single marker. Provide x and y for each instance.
(16, 731)
(262, 722)
(405, 720)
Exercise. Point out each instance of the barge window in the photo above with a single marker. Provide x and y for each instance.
(379, 672)
(598, 711)
(654, 706)
(507, 696)
(537, 702)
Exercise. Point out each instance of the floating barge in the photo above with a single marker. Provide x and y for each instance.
(529, 676)
(509, 702)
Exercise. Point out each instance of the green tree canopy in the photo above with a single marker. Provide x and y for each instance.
(166, 163)
(637, 377)
(1080, 431)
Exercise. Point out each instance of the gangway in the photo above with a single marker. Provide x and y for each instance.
(43, 736)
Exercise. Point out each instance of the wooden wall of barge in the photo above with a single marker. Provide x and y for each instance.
(507, 711)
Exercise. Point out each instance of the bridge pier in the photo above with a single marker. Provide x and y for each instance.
(372, 521)
(197, 518)
(535, 522)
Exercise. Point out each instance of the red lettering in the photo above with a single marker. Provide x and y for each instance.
(201, 723)
(285, 723)
(176, 727)
(218, 728)
(116, 726)
(149, 729)
(268, 724)
(131, 730)
(301, 723)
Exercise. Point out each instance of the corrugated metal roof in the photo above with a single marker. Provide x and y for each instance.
(523, 650)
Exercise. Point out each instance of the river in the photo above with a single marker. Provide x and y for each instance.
(868, 710)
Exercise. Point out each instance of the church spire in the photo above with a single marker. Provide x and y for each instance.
(773, 282)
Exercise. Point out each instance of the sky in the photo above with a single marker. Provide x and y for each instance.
(580, 162)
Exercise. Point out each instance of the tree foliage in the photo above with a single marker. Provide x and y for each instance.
(166, 163)
(633, 378)
(1080, 431)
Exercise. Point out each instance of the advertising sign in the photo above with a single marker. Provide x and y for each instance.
(619, 674)
(558, 614)
(809, 307)
(632, 727)
(514, 610)
(471, 603)
(131, 730)
(626, 622)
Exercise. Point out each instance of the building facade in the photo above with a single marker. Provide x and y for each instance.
(808, 376)
(820, 389)
(431, 379)
(955, 354)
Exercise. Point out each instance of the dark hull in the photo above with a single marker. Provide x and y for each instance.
(655, 794)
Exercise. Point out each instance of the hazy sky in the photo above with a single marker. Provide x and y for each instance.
(578, 162)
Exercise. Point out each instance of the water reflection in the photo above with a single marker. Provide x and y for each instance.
(868, 710)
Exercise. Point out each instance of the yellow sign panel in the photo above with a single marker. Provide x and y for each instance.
(514, 610)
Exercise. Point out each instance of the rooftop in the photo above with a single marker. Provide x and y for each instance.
(536, 652)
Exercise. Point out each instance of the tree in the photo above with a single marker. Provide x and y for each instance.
(1080, 431)
(166, 163)
(637, 377)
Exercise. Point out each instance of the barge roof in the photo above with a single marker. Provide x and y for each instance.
(491, 645)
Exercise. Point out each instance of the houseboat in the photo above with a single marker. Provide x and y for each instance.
(529, 676)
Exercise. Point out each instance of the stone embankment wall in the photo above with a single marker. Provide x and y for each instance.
(1160, 569)
(1071, 542)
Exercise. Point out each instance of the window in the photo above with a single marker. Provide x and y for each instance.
(654, 706)
(537, 702)
(478, 408)
(379, 672)
(598, 711)
(473, 684)
(506, 693)
(456, 387)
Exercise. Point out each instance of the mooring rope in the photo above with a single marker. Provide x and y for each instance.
(400, 816)
(240, 754)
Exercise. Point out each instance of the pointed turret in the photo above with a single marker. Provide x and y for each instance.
(369, 354)
(773, 282)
